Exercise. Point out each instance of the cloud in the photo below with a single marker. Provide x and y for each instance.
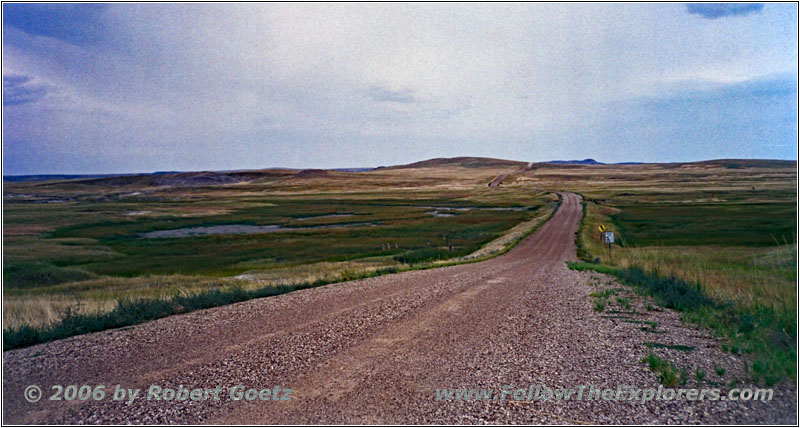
(73, 23)
(719, 10)
(18, 89)
(405, 96)
(753, 119)
(163, 86)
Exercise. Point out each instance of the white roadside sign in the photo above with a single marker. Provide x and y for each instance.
(609, 237)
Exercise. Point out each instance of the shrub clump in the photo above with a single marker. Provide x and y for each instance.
(35, 274)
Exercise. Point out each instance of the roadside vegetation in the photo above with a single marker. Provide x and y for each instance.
(669, 375)
(728, 265)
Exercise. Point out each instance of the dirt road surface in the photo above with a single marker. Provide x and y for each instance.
(376, 351)
(499, 179)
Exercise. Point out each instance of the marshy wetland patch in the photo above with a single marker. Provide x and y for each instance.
(201, 238)
(241, 229)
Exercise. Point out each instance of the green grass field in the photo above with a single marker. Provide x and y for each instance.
(728, 224)
(80, 247)
(729, 264)
(117, 247)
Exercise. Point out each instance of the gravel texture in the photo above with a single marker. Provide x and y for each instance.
(376, 350)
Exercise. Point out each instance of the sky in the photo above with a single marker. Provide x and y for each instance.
(112, 88)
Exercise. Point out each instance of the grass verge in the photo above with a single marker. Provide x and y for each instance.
(129, 312)
(767, 334)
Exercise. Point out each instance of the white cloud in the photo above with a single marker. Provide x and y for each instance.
(170, 78)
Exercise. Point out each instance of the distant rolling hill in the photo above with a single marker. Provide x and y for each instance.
(466, 162)
(748, 163)
(210, 178)
(727, 163)
(576, 162)
(46, 177)
(182, 179)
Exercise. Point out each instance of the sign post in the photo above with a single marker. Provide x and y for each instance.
(601, 228)
(609, 240)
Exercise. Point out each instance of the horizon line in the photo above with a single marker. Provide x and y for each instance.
(108, 174)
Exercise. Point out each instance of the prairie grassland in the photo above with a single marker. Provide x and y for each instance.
(38, 306)
(730, 231)
(79, 246)
(752, 274)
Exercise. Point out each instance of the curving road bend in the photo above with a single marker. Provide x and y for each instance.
(373, 351)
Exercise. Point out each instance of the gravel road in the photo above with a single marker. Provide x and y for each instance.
(499, 179)
(376, 350)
